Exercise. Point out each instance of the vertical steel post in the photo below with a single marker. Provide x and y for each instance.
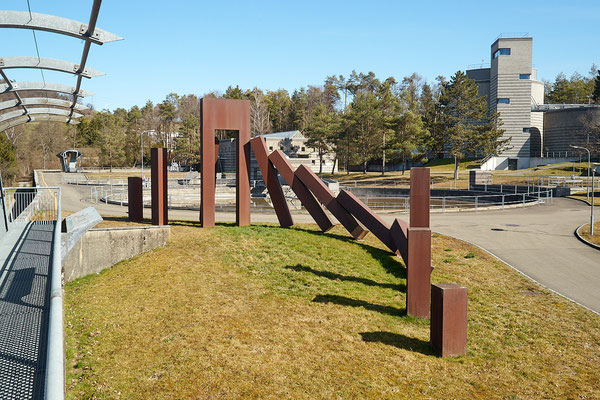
(159, 186)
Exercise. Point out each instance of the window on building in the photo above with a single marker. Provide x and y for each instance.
(503, 100)
(281, 148)
(524, 76)
(303, 148)
(271, 148)
(501, 52)
(525, 130)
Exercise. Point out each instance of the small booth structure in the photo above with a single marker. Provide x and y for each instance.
(69, 160)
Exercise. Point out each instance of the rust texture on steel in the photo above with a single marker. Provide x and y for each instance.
(158, 163)
(368, 218)
(327, 198)
(233, 115)
(309, 202)
(418, 278)
(419, 197)
(135, 205)
(399, 236)
(259, 147)
(448, 327)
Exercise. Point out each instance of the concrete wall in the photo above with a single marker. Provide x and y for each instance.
(102, 248)
(564, 127)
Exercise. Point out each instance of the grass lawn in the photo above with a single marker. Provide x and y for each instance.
(583, 196)
(585, 233)
(267, 313)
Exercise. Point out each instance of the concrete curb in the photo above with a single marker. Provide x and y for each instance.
(521, 272)
(578, 236)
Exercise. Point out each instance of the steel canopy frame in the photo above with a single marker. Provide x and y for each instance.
(51, 23)
(54, 87)
(39, 110)
(37, 118)
(47, 63)
(40, 101)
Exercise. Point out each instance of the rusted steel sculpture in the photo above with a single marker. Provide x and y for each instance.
(158, 164)
(448, 327)
(418, 278)
(304, 195)
(271, 182)
(328, 199)
(232, 115)
(368, 218)
(135, 205)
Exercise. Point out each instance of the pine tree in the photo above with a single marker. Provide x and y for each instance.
(467, 126)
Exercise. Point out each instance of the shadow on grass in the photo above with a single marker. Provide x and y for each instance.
(399, 341)
(387, 260)
(347, 301)
(113, 218)
(333, 276)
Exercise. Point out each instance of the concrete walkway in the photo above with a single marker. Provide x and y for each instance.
(538, 241)
(25, 254)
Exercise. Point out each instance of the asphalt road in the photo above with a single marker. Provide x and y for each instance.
(538, 240)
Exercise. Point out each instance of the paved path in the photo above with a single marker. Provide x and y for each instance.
(24, 309)
(537, 241)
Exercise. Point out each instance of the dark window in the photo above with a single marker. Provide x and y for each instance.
(303, 149)
(525, 130)
(271, 148)
(503, 100)
(501, 52)
(524, 76)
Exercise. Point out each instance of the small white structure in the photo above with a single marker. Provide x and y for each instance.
(69, 159)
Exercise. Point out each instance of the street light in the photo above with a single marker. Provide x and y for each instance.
(589, 168)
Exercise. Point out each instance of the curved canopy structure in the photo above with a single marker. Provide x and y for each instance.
(40, 101)
(50, 23)
(55, 87)
(33, 111)
(47, 63)
(37, 118)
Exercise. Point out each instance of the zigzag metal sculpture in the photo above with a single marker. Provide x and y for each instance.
(411, 242)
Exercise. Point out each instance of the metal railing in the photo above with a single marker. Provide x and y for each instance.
(31, 204)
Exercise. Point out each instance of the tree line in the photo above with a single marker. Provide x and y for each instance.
(359, 119)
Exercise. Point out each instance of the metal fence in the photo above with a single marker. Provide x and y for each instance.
(30, 204)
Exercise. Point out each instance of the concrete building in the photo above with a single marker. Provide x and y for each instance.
(539, 133)
(512, 88)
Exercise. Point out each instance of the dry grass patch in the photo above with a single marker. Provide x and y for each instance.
(585, 233)
(266, 313)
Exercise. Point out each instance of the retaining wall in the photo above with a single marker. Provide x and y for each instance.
(102, 248)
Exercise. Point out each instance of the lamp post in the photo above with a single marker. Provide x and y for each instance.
(592, 212)
(142, 151)
(589, 168)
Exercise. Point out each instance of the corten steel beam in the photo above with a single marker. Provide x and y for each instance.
(327, 198)
(304, 195)
(158, 174)
(50, 23)
(418, 279)
(419, 197)
(40, 101)
(37, 118)
(36, 110)
(271, 180)
(225, 114)
(47, 63)
(368, 218)
(448, 327)
(399, 236)
(135, 200)
(52, 87)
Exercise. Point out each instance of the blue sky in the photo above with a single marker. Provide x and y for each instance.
(199, 46)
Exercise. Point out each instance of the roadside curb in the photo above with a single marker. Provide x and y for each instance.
(578, 236)
(520, 272)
